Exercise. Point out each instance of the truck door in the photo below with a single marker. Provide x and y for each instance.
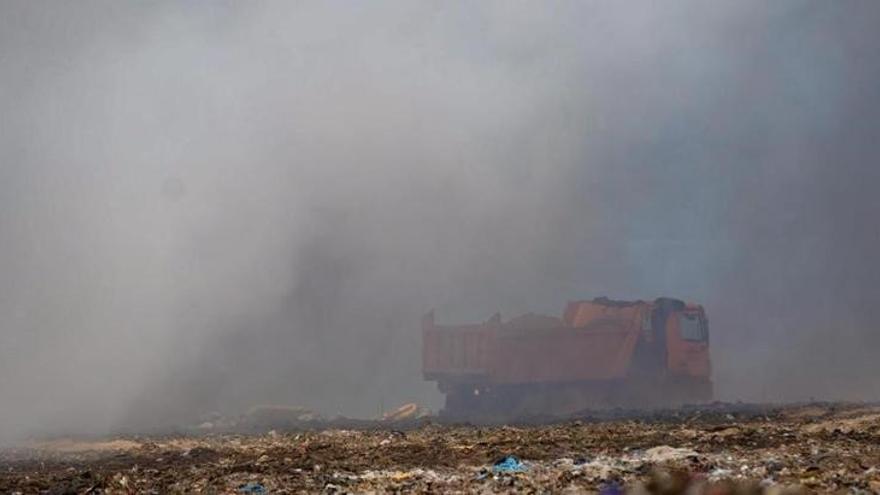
(651, 353)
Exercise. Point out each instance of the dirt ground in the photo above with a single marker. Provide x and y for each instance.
(717, 449)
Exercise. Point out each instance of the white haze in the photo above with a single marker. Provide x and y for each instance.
(204, 206)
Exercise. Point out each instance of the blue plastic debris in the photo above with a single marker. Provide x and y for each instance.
(509, 464)
(610, 489)
(252, 487)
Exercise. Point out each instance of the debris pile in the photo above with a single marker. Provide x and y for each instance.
(831, 448)
(406, 412)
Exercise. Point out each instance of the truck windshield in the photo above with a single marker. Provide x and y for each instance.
(691, 327)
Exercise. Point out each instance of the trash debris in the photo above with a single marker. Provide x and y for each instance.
(633, 452)
(612, 488)
(720, 474)
(252, 487)
(665, 453)
(509, 464)
(404, 412)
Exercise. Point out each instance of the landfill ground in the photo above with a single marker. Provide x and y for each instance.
(722, 448)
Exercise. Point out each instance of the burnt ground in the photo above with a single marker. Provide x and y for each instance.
(717, 449)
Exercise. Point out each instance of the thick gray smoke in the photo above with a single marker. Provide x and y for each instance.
(204, 206)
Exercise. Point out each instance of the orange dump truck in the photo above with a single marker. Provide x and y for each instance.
(601, 353)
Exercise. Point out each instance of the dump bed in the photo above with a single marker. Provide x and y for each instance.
(458, 352)
(561, 355)
(592, 342)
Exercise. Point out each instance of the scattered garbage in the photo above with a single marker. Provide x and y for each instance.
(509, 464)
(720, 474)
(405, 412)
(612, 488)
(252, 487)
(665, 453)
(766, 452)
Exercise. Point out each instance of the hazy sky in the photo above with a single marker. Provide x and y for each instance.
(204, 206)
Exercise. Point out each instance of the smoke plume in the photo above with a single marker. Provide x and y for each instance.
(205, 206)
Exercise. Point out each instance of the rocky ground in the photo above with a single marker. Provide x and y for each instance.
(718, 449)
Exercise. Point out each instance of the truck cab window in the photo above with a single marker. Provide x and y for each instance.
(691, 327)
